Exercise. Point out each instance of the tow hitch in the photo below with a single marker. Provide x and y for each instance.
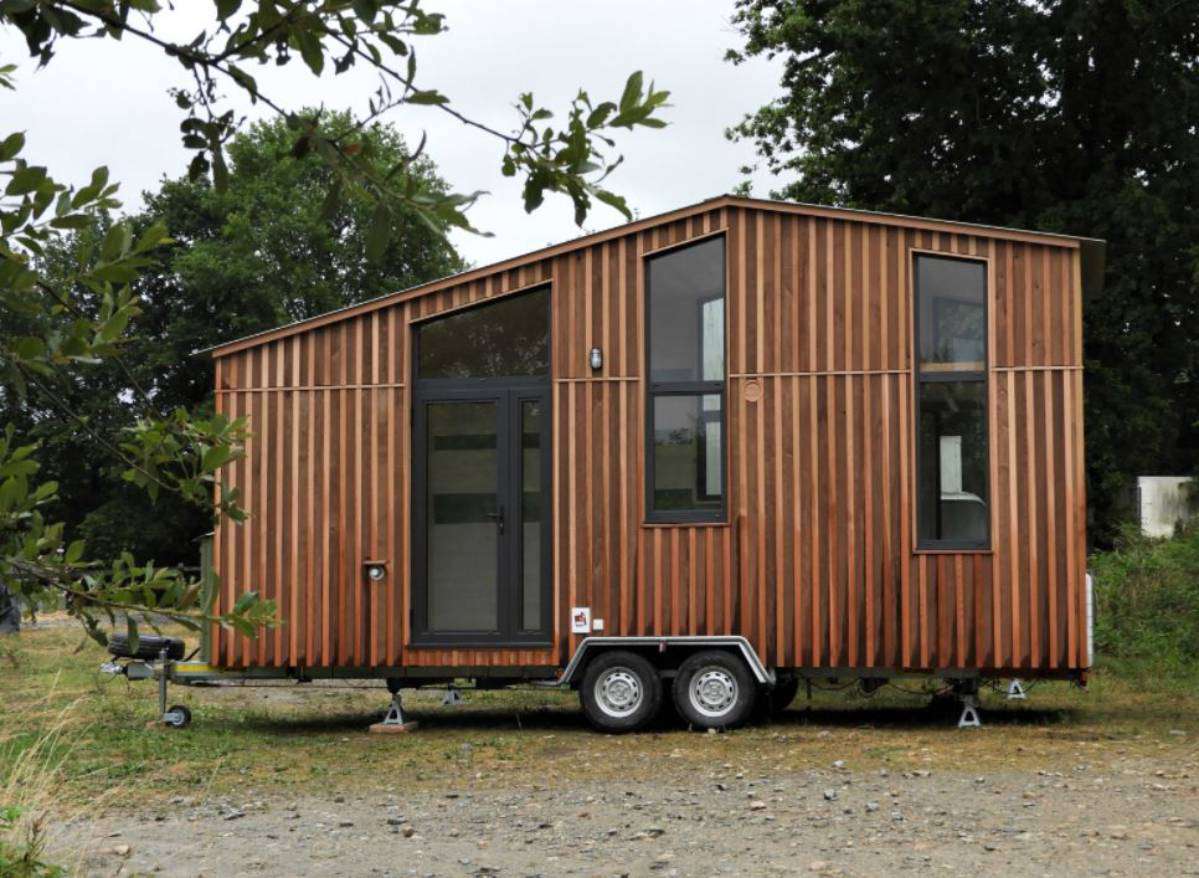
(177, 716)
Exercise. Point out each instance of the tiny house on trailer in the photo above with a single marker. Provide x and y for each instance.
(701, 456)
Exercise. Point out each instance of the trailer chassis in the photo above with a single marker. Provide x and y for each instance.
(963, 683)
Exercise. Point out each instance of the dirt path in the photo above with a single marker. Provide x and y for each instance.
(1140, 818)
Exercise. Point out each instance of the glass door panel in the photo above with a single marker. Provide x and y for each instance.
(531, 514)
(464, 513)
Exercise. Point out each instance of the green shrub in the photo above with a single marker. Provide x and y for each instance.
(1147, 601)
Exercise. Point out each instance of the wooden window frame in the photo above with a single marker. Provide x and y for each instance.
(948, 376)
(655, 389)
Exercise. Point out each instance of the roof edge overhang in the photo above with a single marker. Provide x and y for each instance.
(1092, 252)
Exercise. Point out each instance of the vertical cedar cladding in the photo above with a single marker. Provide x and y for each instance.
(815, 562)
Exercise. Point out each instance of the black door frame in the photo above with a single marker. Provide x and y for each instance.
(508, 395)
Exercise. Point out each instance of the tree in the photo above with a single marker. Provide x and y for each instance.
(259, 253)
(1076, 116)
(81, 317)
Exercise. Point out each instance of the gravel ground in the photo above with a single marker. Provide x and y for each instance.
(1130, 817)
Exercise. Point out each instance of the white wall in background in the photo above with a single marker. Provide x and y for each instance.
(1162, 502)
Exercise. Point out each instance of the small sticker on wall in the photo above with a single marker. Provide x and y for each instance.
(580, 620)
(597, 625)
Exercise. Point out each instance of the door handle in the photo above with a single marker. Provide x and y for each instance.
(498, 518)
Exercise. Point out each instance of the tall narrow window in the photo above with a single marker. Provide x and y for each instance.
(685, 453)
(951, 403)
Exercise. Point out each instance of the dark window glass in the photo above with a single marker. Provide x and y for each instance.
(503, 338)
(530, 514)
(686, 313)
(952, 487)
(688, 462)
(951, 314)
(953, 462)
(686, 392)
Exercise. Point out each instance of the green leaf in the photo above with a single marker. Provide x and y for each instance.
(245, 80)
(72, 221)
(74, 552)
(45, 491)
(116, 242)
(613, 200)
(134, 637)
(29, 348)
(111, 329)
(366, 10)
(25, 180)
(154, 236)
(600, 114)
(11, 146)
(432, 96)
(220, 171)
(216, 457)
(311, 51)
(379, 234)
(632, 92)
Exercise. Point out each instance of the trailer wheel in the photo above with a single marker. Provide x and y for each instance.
(621, 692)
(714, 690)
(177, 717)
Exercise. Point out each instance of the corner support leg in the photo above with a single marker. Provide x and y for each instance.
(966, 692)
(969, 718)
(394, 722)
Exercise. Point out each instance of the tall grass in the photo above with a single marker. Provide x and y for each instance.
(28, 801)
(1147, 604)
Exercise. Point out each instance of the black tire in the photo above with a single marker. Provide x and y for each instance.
(715, 690)
(780, 697)
(178, 717)
(149, 646)
(621, 692)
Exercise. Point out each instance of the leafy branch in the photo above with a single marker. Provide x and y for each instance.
(572, 159)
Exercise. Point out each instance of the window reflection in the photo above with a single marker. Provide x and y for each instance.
(508, 337)
(688, 458)
(952, 314)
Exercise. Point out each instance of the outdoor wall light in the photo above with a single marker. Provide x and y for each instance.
(597, 358)
(376, 570)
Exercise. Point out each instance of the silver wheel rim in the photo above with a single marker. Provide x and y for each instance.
(713, 691)
(619, 692)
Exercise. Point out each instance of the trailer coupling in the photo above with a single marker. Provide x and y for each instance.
(136, 665)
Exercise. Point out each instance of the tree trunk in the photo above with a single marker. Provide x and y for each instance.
(10, 612)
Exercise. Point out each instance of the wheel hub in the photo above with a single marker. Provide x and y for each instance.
(619, 692)
(713, 691)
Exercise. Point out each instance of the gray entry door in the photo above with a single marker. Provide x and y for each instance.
(481, 549)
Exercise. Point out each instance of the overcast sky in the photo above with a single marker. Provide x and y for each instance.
(99, 103)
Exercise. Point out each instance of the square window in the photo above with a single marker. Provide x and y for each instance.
(953, 496)
(951, 319)
(688, 460)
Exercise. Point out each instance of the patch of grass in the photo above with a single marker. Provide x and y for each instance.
(312, 739)
(1147, 607)
(29, 789)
